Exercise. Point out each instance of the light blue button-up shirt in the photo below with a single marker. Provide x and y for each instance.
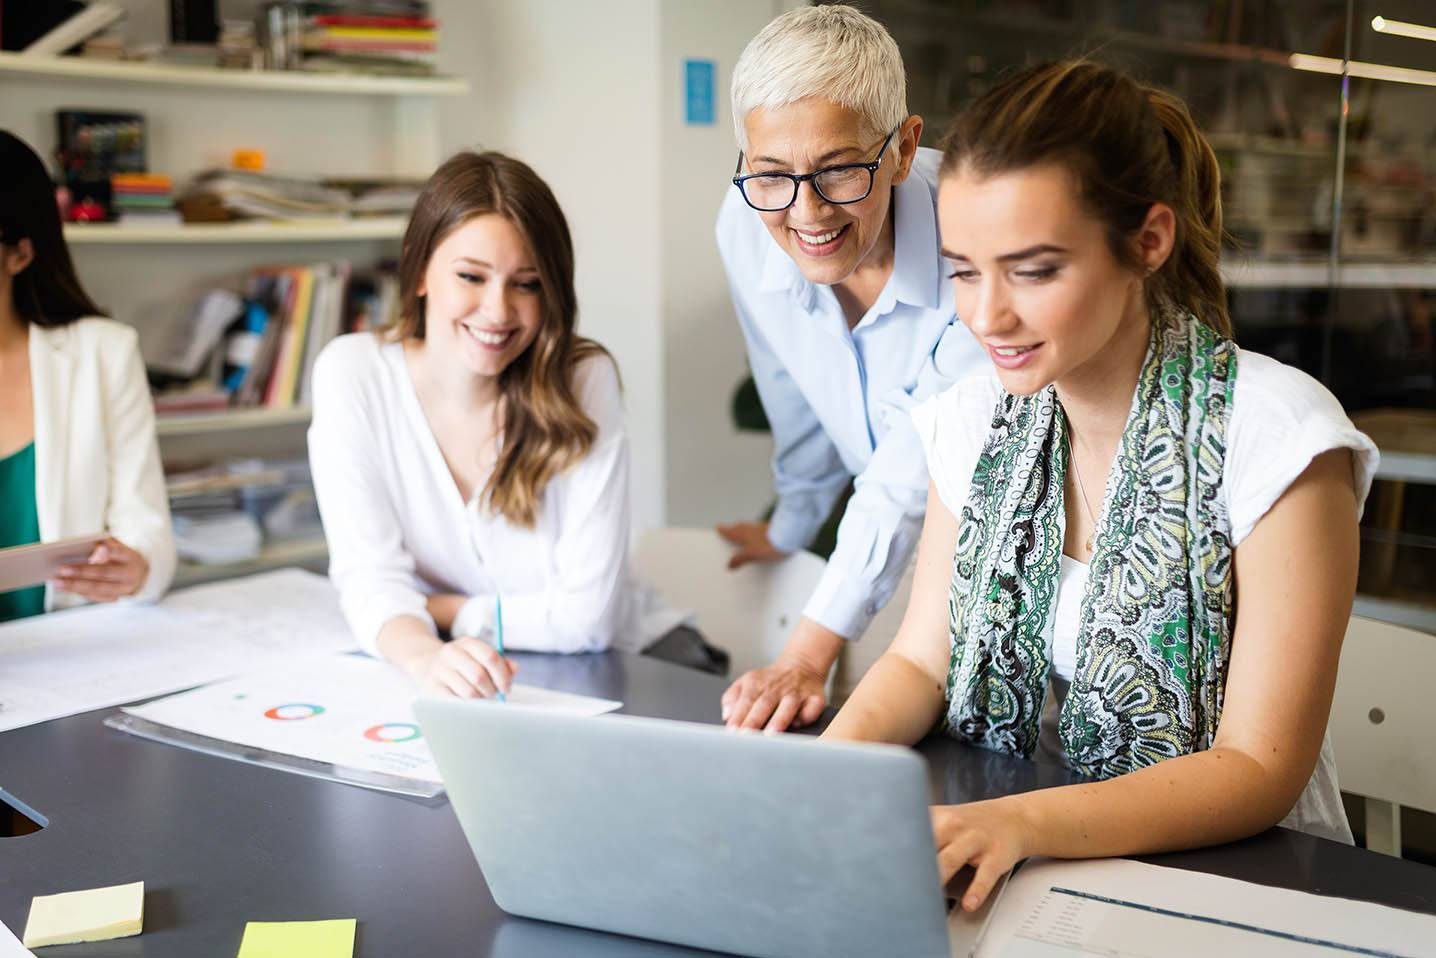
(838, 398)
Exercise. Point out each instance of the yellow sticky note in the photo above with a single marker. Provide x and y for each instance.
(97, 914)
(298, 939)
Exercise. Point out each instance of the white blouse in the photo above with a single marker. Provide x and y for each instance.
(398, 529)
(1281, 419)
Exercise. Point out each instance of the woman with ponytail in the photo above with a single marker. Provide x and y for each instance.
(1140, 549)
(473, 458)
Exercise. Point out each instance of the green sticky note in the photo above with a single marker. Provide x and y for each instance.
(298, 939)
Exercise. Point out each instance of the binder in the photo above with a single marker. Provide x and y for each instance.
(428, 792)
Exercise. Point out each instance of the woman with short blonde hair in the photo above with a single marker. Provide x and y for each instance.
(829, 240)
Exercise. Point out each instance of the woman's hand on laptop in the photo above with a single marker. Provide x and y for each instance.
(990, 836)
(468, 668)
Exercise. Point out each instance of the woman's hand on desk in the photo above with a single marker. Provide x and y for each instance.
(468, 668)
(990, 836)
(113, 571)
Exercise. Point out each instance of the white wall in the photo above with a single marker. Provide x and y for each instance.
(569, 87)
(714, 472)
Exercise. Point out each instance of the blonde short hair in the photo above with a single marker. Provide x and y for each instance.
(833, 52)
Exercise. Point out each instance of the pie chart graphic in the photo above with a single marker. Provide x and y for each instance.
(392, 732)
(293, 712)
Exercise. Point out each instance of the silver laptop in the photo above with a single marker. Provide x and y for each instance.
(760, 845)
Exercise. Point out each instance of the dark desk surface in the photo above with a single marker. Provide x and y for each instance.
(219, 843)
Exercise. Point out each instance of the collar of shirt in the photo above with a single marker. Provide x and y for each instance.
(917, 266)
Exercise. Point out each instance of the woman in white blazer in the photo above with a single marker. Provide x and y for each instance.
(78, 453)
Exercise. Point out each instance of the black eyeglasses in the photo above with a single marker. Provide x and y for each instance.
(846, 183)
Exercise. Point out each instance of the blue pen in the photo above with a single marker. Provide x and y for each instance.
(499, 632)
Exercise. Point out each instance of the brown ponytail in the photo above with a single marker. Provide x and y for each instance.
(1128, 146)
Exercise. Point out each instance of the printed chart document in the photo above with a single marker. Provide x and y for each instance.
(1117, 908)
(349, 712)
(96, 656)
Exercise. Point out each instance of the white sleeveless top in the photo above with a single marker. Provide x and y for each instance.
(1281, 419)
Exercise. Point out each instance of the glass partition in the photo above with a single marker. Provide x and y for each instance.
(1323, 115)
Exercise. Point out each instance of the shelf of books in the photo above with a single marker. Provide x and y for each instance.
(307, 551)
(231, 420)
(300, 81)
(257, 231)
(1314, 274)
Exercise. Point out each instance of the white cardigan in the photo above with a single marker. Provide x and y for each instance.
(97, 462)
(398, 529)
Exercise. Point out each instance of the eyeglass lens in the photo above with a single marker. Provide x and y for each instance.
(844, 184)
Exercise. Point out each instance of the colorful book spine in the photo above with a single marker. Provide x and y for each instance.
(378, 33)
(291, 356)
(402, 23)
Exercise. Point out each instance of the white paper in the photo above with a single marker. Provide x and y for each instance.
(1117, 908)
(96, 656)
(347, 710)
(10, 946)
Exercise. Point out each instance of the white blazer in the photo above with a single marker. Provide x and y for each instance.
(97, 461)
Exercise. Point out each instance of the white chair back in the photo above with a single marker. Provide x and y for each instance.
(749, 612)
(1382, 721)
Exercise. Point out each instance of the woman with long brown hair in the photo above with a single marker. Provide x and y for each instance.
(1140, 549)
(78, 453)
(473, 458)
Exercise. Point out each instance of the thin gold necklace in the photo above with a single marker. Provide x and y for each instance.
(1072, 462)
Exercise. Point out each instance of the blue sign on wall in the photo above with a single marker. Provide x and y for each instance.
(699, 109)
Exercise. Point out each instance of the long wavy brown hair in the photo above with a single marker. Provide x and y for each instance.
(545, 430)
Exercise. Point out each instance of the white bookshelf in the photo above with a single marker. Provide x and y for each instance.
(308, 551)
(1268, 274)
(233, 420)
(295, 231)
(279, 81)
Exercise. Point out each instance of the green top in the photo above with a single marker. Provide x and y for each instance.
(19, 526)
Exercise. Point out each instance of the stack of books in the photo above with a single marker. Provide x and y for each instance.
(379, 196)
(349, 42)
(218, 195)
(351, 36)
(143, 199)
(224, 511)
(237, 47)
(304, 309)
(228, 350)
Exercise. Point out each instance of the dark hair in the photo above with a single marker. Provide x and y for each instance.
(545, 429)
(47, 292)
(1128, 146)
